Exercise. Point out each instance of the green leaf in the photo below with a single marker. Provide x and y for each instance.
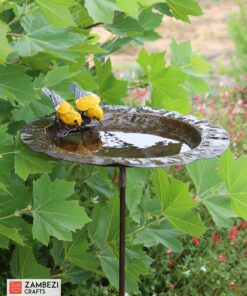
(25, 266)
(11, 233)
(219, 207)
(187, 221)
(5, 48)
(181, 56)
(101, 11)
(180, 105)
(197, 85)
(166, 82)
(133, 272)
(173, 194)
(148, 2)
(56, 75)
(6, 161)
(53, 215)
(29, 162)
(136, 180)
(211, 190)
(32, 111)
(3, 188)
(76, 253)
(5, 138)
(111, 90)
(150, 20)
(162, 233)
(57, 12)
(200, 65)
(168, 86)
(109, 264)
(86, 80)
(180, 53)
(4, 242)
(107, 230)
(160, 184)
(204, 176)
(18, 198)
(152, 64)
(163, 8)
(234, 173)
(134, 268)
(124, 25)
(183, 9)
(42, 37)
(176, 203)
(74, 274)
(131, 7)
(16, 85)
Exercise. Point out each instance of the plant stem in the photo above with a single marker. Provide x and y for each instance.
(11, 152)
(147, 225)
(28, 209)
(17, 18)
(92, 26)
(14, 34)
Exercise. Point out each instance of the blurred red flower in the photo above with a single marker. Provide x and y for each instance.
(243, 224)
(233, 233)
(194, 196)
(116, 179)
(233, 286)
(169, 264)
(169, 252)
(216, 238)
(222, 258)
(196, 240)
(197, 99)
(238, 88)
(171, 286)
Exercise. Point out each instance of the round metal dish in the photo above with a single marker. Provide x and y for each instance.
(201, 139)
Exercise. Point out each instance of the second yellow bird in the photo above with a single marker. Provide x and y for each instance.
(87, 102)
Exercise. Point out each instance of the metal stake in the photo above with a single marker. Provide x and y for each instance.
(122, 231)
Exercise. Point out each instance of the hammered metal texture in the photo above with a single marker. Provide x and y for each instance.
(205, 140)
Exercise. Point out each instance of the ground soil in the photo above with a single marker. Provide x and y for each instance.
(208, 33)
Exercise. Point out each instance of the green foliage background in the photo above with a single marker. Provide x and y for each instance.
(61, 219)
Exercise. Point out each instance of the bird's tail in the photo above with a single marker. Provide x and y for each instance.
(55, 98)
(79, 92)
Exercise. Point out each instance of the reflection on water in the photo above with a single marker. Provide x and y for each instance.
(120, 144)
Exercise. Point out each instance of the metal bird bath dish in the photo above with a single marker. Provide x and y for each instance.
(141, 137)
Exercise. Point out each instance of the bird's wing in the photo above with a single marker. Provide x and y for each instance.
(55, 98)
(81, 93)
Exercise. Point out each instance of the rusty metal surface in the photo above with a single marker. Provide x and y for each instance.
(204, 139)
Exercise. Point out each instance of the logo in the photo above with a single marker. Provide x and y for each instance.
(33, 287)
(15, 287)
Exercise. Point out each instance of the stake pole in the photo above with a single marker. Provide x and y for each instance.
(122, 231)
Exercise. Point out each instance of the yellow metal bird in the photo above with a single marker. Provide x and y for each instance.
(64, 111)
(88, 103)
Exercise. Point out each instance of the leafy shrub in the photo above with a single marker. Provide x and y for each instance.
(227, 107)
(61, 219)
(238, 26)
